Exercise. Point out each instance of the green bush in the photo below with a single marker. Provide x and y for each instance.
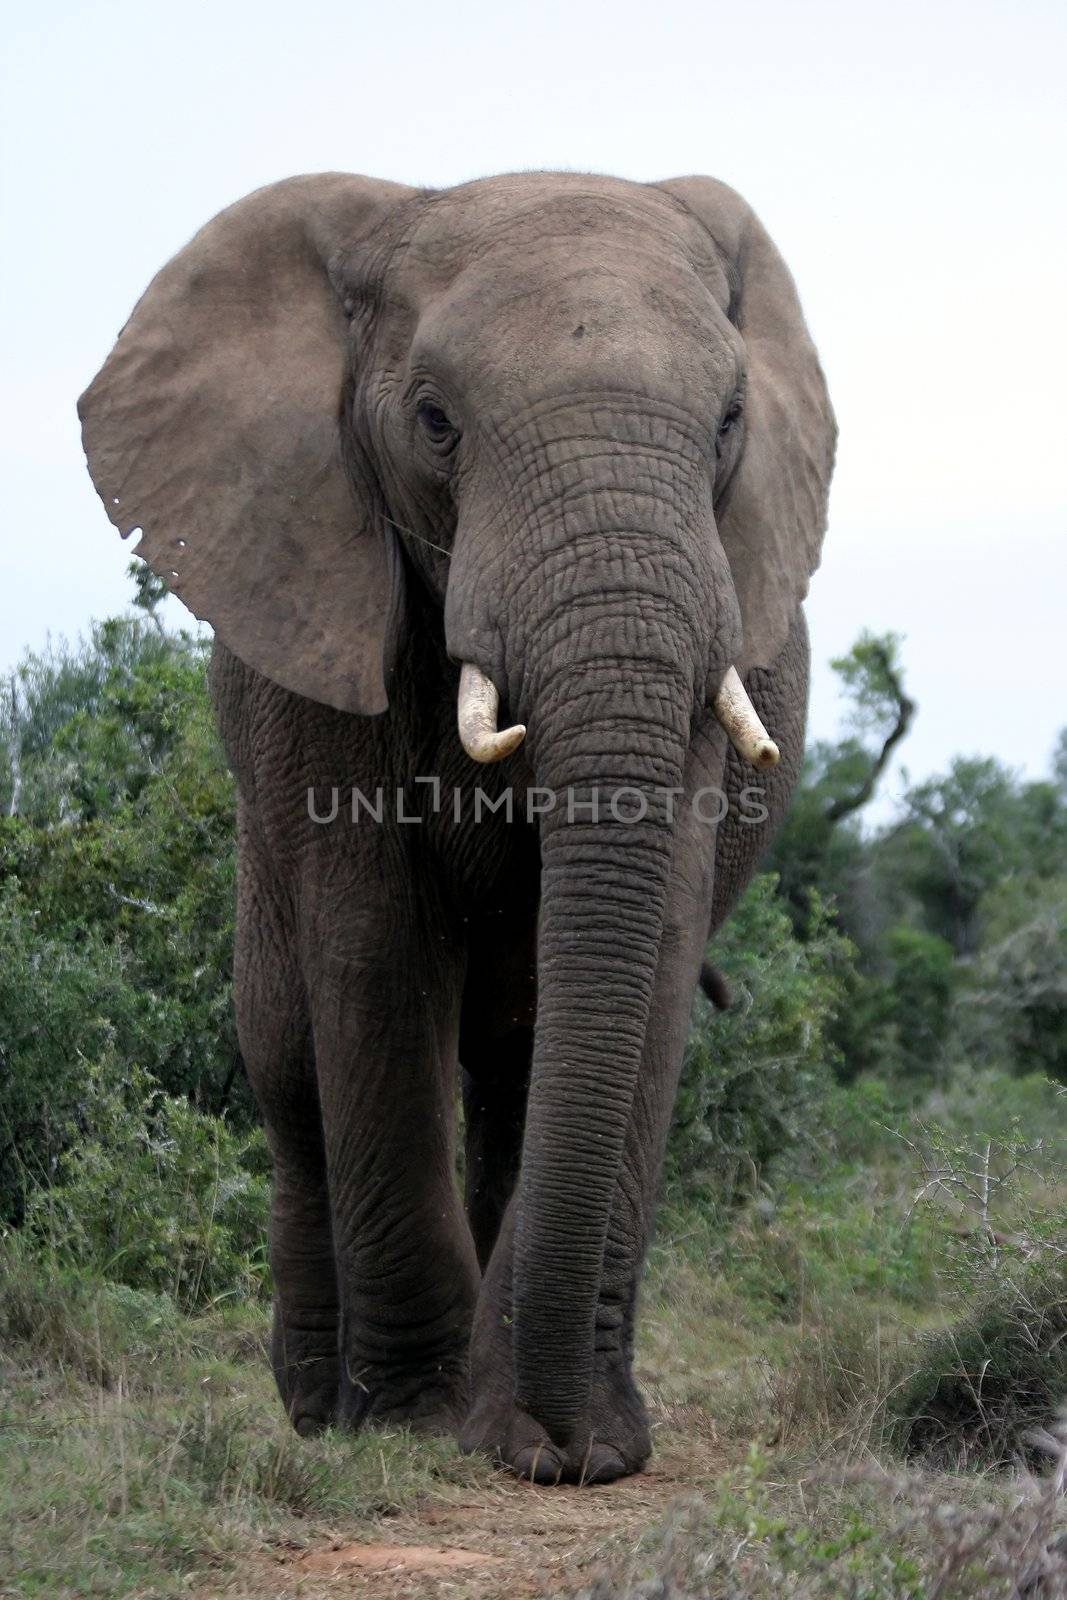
(985, 1384)
(831, 1242)
(897, 1020)
(157, 1196)
(920, 987)
(121, 850)
(1012, 1010)
(756, 1077)
(62, 1004)
(70, 1319)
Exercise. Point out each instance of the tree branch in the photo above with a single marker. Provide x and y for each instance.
(906, 708)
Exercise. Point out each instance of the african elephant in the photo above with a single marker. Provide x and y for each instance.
(558, 446)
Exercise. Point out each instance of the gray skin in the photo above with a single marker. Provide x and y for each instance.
(572, 430)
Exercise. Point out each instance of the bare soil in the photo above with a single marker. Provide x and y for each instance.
(514, 1540)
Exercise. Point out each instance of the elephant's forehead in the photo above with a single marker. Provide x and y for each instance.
(489, 200)
(551, 221)
(510, 261)
(580, 311)
(578, 308)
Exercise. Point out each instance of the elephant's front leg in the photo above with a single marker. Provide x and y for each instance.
(616, 1438)
(385, 1005)
(275, 1033)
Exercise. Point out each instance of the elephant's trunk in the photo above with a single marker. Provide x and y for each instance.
(610, 741)
(614, 618)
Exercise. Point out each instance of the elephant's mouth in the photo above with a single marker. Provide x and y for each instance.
(483, 741)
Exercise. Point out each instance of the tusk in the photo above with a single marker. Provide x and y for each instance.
(738, 716)
(476, 716)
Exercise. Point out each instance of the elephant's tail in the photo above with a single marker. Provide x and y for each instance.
(715, 986)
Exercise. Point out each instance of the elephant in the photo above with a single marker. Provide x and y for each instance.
(502, 501)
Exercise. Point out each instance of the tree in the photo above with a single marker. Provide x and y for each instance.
(873, 675)
(1012, 1011)
(150, 592)
(820, 847)
(966, 832)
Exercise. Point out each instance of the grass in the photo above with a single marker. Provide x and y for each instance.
(772, 1528)
(980, 1388)
(794, 1353)
(139, 1447)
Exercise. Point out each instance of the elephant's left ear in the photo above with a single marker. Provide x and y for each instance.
(774, 517)
(214, 429)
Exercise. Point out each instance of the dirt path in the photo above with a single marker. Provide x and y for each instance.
(512, 1540)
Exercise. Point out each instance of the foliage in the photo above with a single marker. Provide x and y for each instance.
(156, 1195)
(982, 1386)
(957, 908)
(814, 850)
(859, 1534)
(86, 725)
(756, 1077)
(966, 832)
(116, 886)
(898, 1015)
(62, 1006)
(1002, 1190)
(850, 1252)
(66, 1003)
(982, 1383)
(862, 1246)
(1013, 998)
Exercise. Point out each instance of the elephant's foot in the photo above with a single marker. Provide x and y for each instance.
(431, 1399)
(612, 1442)
(312, 1407)
(306, 1370)
(428, 1393)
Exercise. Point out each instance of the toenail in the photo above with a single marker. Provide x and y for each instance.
(539, 1463)
(604, 1465)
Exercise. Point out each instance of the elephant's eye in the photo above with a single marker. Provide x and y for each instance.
(435, 424)
(730, 420)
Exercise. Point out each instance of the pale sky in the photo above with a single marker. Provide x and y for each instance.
(908, 158)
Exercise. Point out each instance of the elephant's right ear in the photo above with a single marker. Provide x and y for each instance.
(214, 427)
(776, 504)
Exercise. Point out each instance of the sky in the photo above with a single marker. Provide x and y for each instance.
(908, 158)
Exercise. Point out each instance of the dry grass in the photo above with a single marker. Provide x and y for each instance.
(856, 1533)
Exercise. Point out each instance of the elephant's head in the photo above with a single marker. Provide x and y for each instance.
(584, 414)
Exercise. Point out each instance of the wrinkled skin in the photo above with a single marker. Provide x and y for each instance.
(583, 442)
